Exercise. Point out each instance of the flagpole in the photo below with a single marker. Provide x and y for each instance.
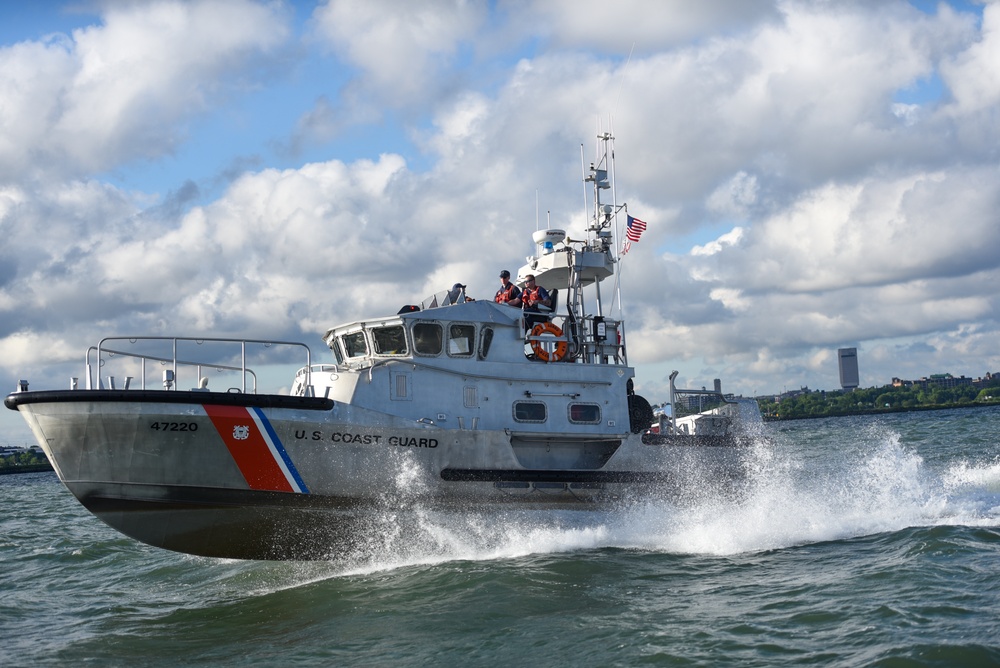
(614, 199)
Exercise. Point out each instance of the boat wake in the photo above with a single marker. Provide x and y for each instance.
(789, 497)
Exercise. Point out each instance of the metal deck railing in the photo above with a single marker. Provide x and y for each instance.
(164, 352)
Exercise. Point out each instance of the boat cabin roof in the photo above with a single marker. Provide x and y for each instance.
(471, 311)
(466, 330)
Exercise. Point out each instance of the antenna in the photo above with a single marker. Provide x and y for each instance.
(536, 209)
(617, 226)
(583, 170)
(622, 82)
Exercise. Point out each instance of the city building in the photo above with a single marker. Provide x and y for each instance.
(848, 360)
(944, 380)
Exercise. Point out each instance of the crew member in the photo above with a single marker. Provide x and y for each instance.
(532, 297)
(508, 293)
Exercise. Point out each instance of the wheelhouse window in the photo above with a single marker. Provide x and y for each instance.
(585, 413)
(529, 411)
(485, 339)
(427, 338)
(461, 340)
(337, 353)
(389, 340)
(354, 344)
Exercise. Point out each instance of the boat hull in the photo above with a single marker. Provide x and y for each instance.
(278, 477)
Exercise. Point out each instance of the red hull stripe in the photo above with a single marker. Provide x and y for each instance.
(255, 448)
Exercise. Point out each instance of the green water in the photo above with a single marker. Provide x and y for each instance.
(857, 541)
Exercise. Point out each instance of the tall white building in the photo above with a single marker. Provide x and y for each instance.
(848, 359)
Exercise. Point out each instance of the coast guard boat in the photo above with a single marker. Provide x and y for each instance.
(451, 403)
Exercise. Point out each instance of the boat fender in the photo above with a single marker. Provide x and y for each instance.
(640, 414)
(539, 350)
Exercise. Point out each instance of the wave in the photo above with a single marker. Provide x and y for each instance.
(868, 484)
(845, 485)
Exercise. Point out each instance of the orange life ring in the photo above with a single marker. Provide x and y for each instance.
(539, 350)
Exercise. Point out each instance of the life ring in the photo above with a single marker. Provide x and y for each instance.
(539, 350)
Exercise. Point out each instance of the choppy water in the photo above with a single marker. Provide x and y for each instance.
(858, 541)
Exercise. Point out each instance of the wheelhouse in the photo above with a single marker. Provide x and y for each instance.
(361, 344)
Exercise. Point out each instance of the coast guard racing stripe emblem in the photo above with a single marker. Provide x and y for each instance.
(256, 448)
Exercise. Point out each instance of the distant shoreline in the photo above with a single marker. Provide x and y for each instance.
(27, 468)
(881, 411)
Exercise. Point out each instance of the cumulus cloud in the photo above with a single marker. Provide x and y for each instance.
(796, 202)
(402, 50)
(617, 26)
(971, 74)
(121, 90)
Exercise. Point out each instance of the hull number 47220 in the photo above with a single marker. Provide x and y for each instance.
(174, 426)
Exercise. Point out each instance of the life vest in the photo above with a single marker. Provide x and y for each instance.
(507, 294)
(528, 294)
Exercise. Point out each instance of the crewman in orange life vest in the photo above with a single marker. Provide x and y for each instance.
(508, 293)
(531, 297)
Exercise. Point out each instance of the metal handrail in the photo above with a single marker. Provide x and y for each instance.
(102, 348)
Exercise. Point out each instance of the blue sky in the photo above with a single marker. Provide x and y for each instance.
(814, 175)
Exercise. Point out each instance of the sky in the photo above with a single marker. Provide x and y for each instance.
(814, 175)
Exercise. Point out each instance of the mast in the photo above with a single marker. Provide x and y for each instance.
(571, 265)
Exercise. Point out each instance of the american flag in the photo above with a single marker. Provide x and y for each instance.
(633, 230)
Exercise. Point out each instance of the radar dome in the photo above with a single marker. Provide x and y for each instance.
(541, 237)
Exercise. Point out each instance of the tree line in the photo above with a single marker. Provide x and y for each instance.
(887, 399)
(28, 460)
